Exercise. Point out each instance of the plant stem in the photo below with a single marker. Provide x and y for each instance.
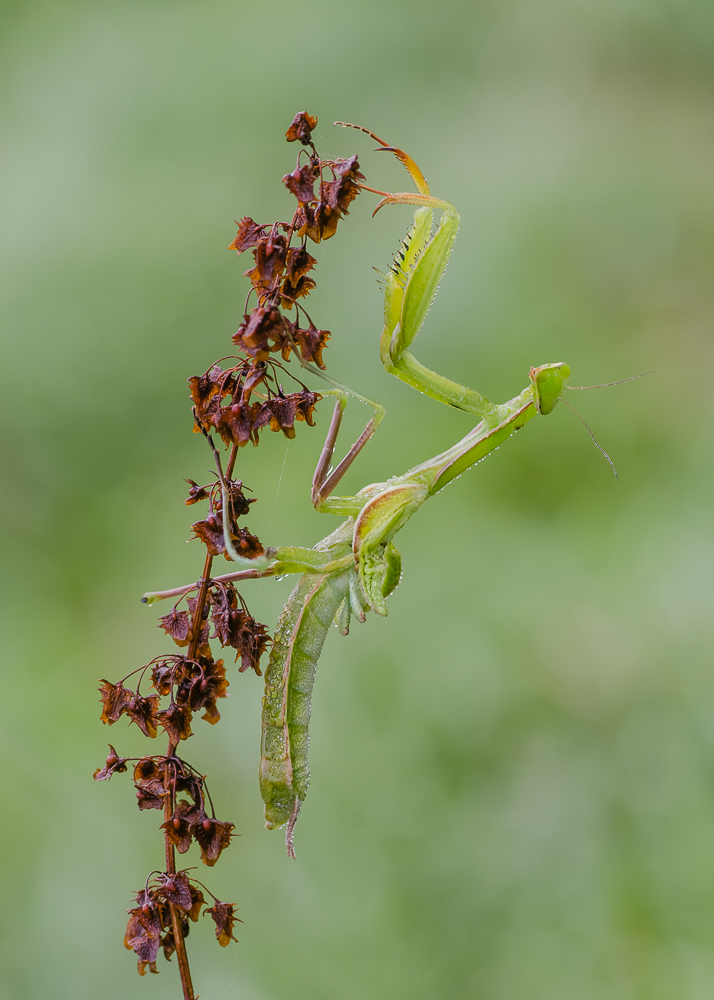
(231, 461)
(169, 779)
(176, 916)
(169, 803)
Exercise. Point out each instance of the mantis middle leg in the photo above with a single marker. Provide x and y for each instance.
(326, 479)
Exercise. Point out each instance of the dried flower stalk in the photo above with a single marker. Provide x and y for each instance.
(236, 403)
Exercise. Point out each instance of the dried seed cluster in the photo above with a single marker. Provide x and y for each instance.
(237, 403)
(150, 924)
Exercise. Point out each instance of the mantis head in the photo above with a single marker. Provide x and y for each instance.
(549, 383)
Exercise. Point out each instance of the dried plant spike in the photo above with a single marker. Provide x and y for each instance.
(234, 403)
(301, 128)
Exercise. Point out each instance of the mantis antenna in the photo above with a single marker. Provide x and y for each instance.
(620, 381)
(603, 385)
(599, 448)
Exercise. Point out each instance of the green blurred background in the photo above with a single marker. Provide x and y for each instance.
(513, 775)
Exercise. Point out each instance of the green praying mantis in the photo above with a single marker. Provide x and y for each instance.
(355, 568)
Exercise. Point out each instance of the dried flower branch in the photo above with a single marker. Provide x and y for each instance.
(237, 403)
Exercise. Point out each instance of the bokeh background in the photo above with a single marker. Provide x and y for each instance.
(513, 775)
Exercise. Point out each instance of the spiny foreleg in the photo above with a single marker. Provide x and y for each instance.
(411, 285)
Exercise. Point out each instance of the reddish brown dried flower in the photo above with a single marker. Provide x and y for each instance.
(318, 222)
(279, 413)
(301, 182)
(260, 333)
(224, 917)
(114, 765)
(239, 502)
(213, 837)
(246, 544)
(176, 721)
(296, 284)
(149, 784)
(312, 343)
(207, 390)
(196, 492)
(249, 234)
(301, 127)
(178, 828)
(143, 931)
(210, 532)
(235, 627)
(290, 293)
(166, 672)
(115, 700)
(146, 799)
(306, 403)
(253, 642)
(205, 681)
(256, 374)
(118, 700)
(197, 902)
(175, 888)
(176, 624)
(341, 192)
(149, 769)
(235, 424)
(223, 610)
(143, 711)
(298, 263)
(191, 784)
(269, 256)
(207, 687)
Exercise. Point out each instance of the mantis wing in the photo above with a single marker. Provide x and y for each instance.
(289, 678)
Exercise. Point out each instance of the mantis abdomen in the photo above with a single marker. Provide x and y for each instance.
(289, 678)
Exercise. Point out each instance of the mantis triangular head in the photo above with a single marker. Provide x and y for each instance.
(549, 383)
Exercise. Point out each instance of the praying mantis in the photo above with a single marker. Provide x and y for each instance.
(355, 568)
